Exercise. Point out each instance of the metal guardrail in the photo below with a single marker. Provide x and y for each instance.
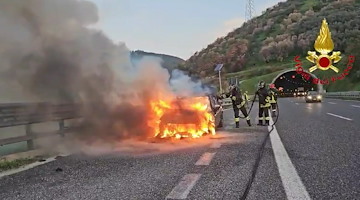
(31, 113)
(343, 95)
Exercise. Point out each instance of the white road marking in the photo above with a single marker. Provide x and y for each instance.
(297, 103)
(331, 103)
(294, 188)
(339, 116)
(182, 190)
(205, 159)
(215, 145)
(26, 167)
(356, 106)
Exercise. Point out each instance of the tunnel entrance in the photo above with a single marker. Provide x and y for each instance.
(295, 84)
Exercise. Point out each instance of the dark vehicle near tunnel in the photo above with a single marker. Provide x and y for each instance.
(313, 96)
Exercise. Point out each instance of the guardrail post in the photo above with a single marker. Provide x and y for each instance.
(62, 127)
(30, 142)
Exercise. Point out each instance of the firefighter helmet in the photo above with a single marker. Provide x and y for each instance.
(261, 84)
(231, 87)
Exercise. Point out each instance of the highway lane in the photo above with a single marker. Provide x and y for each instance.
(218, 168)
(323, 140)
(323, 148)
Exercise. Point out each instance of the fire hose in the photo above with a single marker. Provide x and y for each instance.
(252, 104)
(259, 155)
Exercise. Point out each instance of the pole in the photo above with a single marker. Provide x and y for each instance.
(220, 82)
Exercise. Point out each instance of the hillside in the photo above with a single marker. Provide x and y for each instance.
(280, 33)
(170, 62)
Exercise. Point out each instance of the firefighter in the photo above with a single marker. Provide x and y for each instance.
(264, 104)
(273, 92)
(238, 104)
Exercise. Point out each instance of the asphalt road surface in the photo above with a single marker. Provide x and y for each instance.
(313, 153)
(323, 142)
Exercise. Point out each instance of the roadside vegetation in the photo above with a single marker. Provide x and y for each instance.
(269, 43)
(8, 165)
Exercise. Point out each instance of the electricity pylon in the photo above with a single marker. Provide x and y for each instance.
(250, 9)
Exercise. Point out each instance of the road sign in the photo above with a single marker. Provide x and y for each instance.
(218, 67)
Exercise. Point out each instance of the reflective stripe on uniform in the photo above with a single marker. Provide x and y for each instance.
(237, 119)
(261, 118)
(233, 98)
(267, 99)
(265, 106)
(272, 100)
(267, 118)
(248, 118)
(242, 103)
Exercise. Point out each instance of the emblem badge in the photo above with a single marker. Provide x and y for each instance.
(324, 45)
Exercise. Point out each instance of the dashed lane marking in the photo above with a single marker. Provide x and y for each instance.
(294, 188)
(215, 145)
(331, 103)
(297, 103)
(205, 159)
(182, 190)
(339, 116)
(356, 106)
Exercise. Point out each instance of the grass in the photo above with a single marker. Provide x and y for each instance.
(343, 85)
(268, 71)
(7, 165)
(250, 85)
(261, 70)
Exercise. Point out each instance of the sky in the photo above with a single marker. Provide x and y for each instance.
(173, 27)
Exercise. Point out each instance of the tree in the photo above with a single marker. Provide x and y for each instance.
(287, 21)
(265, 53)
(295, 17)
(310, 13)
(268, 40)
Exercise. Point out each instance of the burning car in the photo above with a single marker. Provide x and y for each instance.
(190, 117)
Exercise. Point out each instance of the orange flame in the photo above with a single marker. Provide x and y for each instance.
(188, 117)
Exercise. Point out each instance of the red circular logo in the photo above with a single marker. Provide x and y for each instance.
(324, 62)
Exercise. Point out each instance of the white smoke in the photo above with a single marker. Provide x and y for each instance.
(48, 53)
(183, 85)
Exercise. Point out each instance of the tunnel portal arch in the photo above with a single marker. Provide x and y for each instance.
(319, 87)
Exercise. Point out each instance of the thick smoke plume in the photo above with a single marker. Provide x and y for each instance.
(48, 53)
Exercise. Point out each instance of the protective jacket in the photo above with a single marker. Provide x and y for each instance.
(264, 98)
(236, 98)
(273, 92)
